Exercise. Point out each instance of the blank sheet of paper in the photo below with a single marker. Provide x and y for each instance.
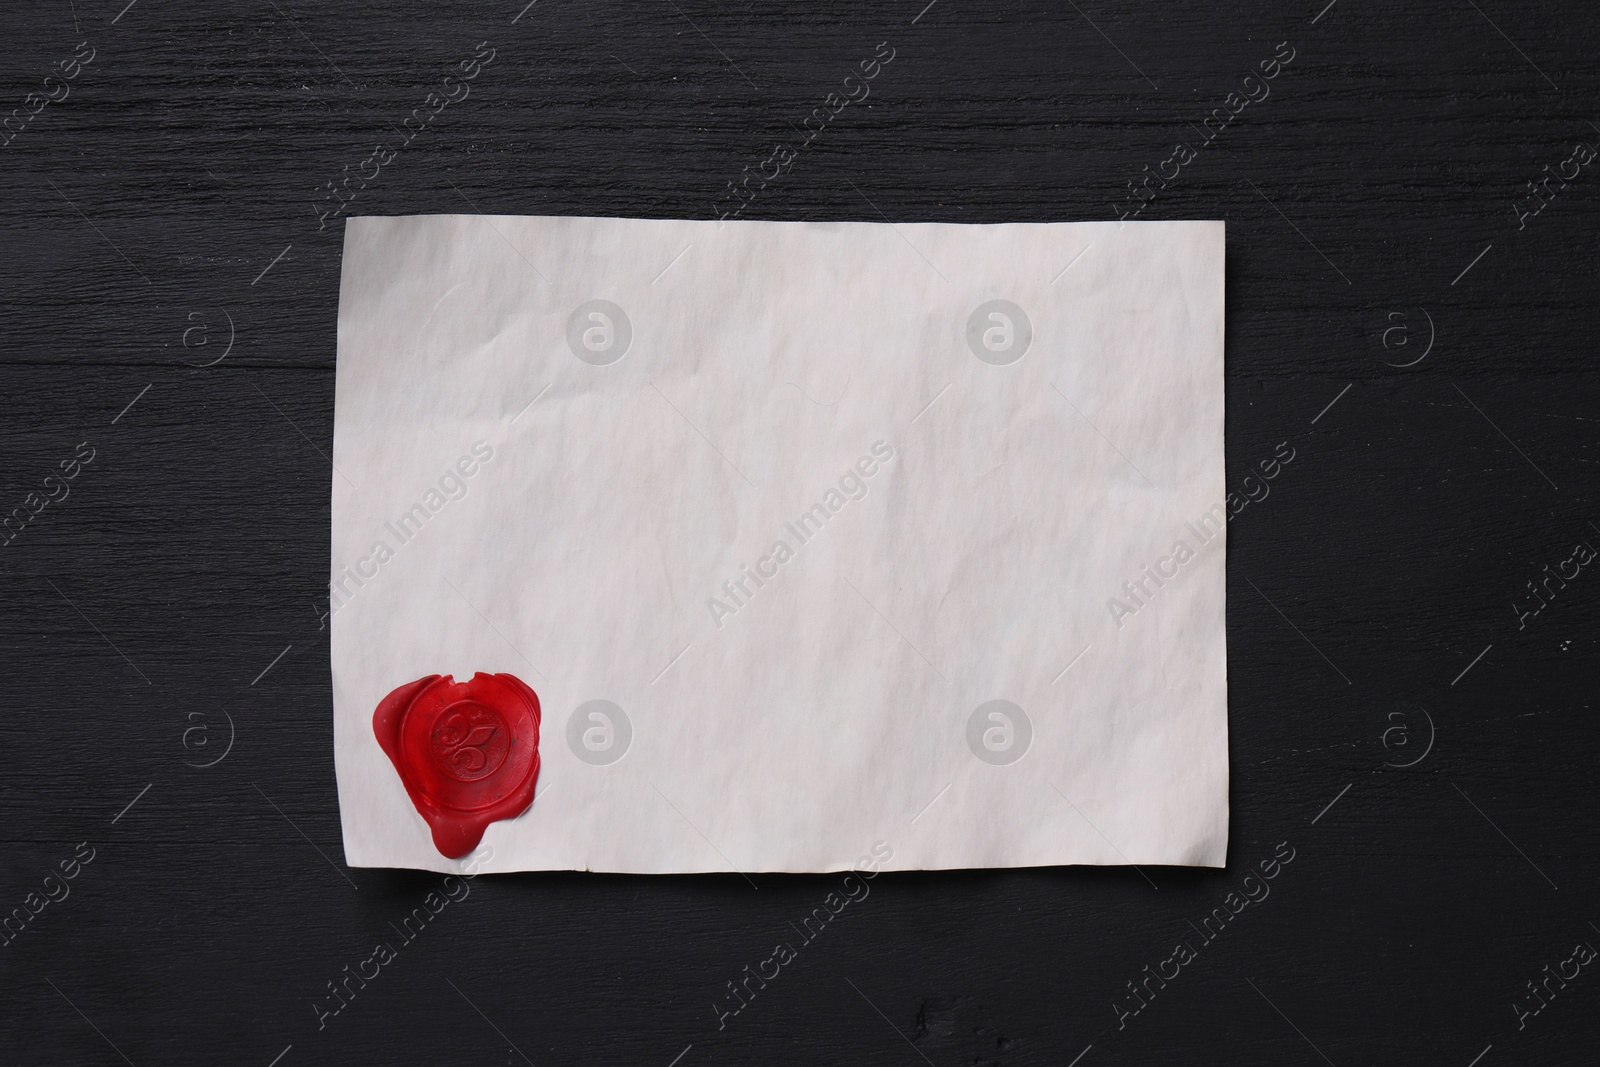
(809, 536)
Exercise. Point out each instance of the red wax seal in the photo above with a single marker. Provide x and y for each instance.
(467, 752)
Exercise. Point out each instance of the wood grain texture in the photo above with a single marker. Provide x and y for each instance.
(191, 551)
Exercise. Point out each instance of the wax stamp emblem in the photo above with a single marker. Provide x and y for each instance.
(467, 752)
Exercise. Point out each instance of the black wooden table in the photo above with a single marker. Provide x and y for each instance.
(1411, 199)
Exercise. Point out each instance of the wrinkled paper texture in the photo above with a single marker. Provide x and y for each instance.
(980, 446)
